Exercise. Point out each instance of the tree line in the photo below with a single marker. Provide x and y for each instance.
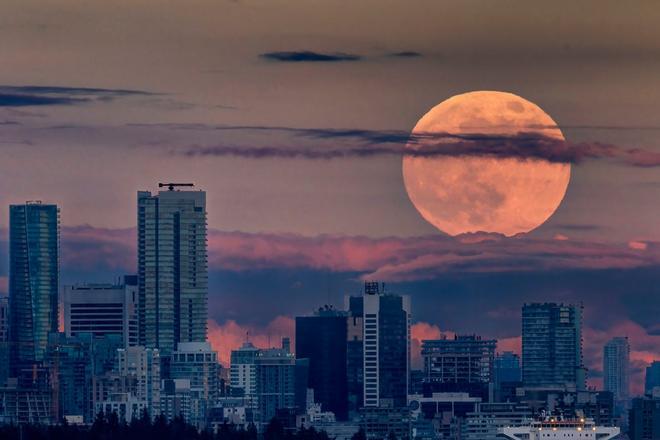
(109, 427)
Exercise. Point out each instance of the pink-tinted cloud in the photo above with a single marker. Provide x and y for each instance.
(230, 335)
(638, 245)
(388, 259)
(513, 344)
(414, 258)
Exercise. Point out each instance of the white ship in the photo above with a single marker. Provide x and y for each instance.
(558, 428)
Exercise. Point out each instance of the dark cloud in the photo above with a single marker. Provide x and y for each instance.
(371, 143)
(406, 54)
(309, 56)
(26, 96)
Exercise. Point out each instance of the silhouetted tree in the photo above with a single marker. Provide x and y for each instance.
(360, 435)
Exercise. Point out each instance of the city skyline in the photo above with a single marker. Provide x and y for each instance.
(473, 185)
(231, 336)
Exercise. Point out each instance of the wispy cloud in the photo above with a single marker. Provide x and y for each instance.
(309, 56)
(373, 143)
(27, 96)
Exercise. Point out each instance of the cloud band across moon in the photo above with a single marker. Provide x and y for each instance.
(367, 143)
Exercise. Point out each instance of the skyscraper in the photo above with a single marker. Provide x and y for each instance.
(386, 347)
(34, 230)
(322, 339)
(616, 375)
(172, 268)
(552, 346)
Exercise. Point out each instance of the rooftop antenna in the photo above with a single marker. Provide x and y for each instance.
(170, 186)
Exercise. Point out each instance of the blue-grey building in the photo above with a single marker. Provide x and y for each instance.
(507, 368)
(652, 378)
(616, 369)
(552, 346)
(34, 230)
(644, 418)
(172, 268)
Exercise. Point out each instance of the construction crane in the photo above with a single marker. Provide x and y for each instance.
(170, 186)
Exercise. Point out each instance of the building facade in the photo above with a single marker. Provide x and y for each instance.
(322, 339)
(34, 248)
(275, 380)
(172, 268)
(644, 418)
(4, 339)
(355, 354)
(139, 370)
(102, 309)
(461, 359)
(197, 363)
(243, 373)
(616, 370)
(552, 346)
(652, 378)
(386, 347)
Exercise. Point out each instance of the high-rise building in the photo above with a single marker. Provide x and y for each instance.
(140, 369)
(652, 378)
(552, 346)
(243, 372)
(616, 374)
(386, 347)
(34, 230)
(102, 309)
(197, 363)
(275, 380)
(461, 359)
(172, 268)
(70, 363)
(354, 354)
(322, 339)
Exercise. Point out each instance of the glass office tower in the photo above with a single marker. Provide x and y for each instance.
(322, 339)
(552, 346)
(172, 268)
(34, 230)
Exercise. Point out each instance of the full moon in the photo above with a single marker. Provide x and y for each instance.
(506, 195)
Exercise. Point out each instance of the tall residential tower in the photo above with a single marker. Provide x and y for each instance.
(172, 267)
(616, 375)
(552, 346)
(34, 231)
